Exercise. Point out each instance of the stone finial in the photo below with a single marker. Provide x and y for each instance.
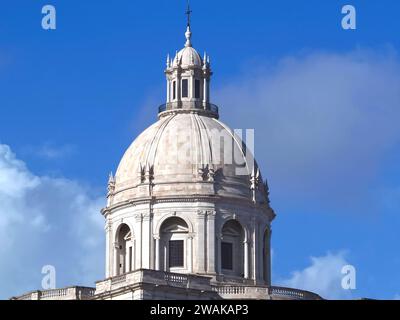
(142, 173)
(111, 185)
(266, 187)
(205, 63)
(188, 35)
(207, 173)
(211, 174)
(203, 173)
(110, 189)
(254, 182)
(150, 173)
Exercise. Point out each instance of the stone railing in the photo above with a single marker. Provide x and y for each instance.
(241, 292)
(55, 293)
(293, 293)
(154, 277)
(231, 290)
(176, 278)
(263, 292)
(70, 293)
(208, 108)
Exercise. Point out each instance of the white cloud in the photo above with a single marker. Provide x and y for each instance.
(50, 151)
(46, 221)
(323, 276)
(324, 124)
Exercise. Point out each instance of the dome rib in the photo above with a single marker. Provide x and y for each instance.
(151, 155)
(206, 130)
(198, 140)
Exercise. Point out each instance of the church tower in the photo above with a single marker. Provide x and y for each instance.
(188, 213)
(188, 198)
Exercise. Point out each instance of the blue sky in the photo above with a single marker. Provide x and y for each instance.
(324, 103)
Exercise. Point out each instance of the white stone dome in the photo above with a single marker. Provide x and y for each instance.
(181, 155)
(188, 56)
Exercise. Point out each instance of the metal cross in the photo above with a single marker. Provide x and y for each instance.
(188, 12)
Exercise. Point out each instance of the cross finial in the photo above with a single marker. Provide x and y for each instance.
(188, 12)
(188, 33)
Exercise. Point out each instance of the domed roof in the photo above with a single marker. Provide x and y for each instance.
(186, 154)
(188, 56)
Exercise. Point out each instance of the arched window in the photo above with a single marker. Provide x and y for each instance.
(173, 244)
(125, 250)
(232, 247)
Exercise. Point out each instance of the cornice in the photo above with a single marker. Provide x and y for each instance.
(214, 199)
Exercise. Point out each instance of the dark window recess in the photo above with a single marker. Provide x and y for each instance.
(227, 256)
(185, 88)
(197, 89)
(174, 90)
(175, 253)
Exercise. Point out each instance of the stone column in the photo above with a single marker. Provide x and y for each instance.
(255, 249)
(165, 257)
(116, 259)
(109, 250)
(139, 227)
(146, 242)
(157, 253)
(168, 90)
(190, 253)
(267, 266)
(260, 252)
(200, 252)
(246, 259)
(211, 246)
(205, 92)
(208, 90)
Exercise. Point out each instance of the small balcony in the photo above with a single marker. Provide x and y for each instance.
(183, 106)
